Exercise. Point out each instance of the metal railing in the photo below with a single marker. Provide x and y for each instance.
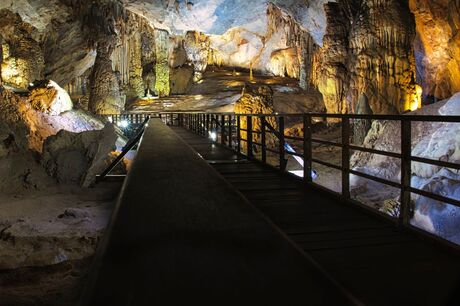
(256, 136)
(128, 147)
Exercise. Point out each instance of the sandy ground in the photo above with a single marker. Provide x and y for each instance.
(47, 239)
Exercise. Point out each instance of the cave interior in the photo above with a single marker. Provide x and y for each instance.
(74, 74)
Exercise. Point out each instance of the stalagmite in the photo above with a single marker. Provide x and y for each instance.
(162, 87)
(105, 94)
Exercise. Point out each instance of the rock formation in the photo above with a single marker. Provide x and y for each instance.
(162, 87)
(437, 47)
(256, 100)
(28, 121)
(197, 48)
(79, 157)
(105, 95)
(22, 55)
(368, 48)
(436, 141)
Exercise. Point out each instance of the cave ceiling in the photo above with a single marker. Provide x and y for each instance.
(178, 17)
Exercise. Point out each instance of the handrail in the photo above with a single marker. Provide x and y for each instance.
(405, 155)
(203, 123)
(422, 118)
(130, 144)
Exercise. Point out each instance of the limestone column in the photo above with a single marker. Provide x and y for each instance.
(162, 87)
(105, 92)
(136, 83)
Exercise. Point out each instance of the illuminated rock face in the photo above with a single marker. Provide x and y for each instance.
(136, 83)
(26, 127)
(22, 56)
(197, 48)
(256, 100)
(105, 95)
(162, 87)
(368, 52)
(79, 157)
(438, 46)
(50, 99)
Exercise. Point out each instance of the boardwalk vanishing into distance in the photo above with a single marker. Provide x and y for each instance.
(198, 222)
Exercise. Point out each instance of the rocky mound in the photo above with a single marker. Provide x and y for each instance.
(437, 141)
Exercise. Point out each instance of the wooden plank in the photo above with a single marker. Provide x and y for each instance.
(181, 234)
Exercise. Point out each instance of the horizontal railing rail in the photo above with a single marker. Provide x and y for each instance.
(239, 132)
(128, 147)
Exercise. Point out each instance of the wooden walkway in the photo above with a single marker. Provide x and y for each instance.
(378, 263)
(182, 235)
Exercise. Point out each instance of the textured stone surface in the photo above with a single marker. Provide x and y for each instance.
(78, 158)
(22, 55)
(438, 46)
(27, 127)
(162, 65)
(256, 100)
(181, 80)
(50, 99)
(368, 51)
(437, 141)
(105, 95)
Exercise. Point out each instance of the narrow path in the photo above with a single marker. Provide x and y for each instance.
(377, 262)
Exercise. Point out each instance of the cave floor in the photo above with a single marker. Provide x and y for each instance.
(47, 240)
(220, 89)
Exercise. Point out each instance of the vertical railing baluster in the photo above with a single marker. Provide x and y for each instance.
(238, 134)
(346, 157)
(307, 149)
(263, 127)
(406, 171)
(282, 150)
(249, 136)
(222, 129)
(207, 124)
(230, 131)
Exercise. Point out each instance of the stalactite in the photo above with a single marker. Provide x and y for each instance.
(370, 53)
(197, 46)
(296, 61)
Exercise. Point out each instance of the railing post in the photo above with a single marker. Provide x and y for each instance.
(406, 171)
(222, 129)
(230, 131)
(307, 149)
(238, 134)
(207, 124)
(249, 136)
(263, 127)
(201, 123)
(346, 157)
(282, 150)
(195, 123)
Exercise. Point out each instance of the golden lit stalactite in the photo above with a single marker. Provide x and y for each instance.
(162, 72)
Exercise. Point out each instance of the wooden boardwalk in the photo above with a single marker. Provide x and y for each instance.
(182, 235)
(377, 262)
